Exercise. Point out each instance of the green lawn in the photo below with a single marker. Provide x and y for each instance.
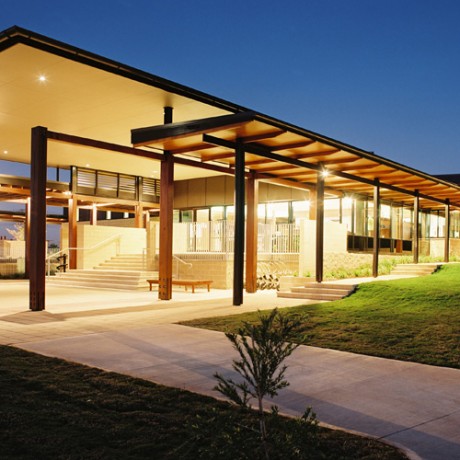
(415, 319)
(52, 409)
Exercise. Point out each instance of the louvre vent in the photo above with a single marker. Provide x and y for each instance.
(107, 184)
(151, 189)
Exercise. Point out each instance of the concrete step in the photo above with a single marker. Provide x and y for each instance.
(131, 262)
(415, 269)
(309, 296)
(319, 291)
(120, 266)
(115, 280)
(316, 290)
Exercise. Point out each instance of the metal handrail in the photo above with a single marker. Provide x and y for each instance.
(178, 259)
(67, 250)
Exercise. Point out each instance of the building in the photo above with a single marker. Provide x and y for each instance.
(243, 184)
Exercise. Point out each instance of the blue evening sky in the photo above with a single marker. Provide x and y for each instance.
(381, 75)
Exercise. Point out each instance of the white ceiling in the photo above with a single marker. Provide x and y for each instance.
(81, 100)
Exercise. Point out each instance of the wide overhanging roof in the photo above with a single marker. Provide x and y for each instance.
(93, 97)
(282, 153)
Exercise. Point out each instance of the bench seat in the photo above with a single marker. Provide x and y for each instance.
(185, 283)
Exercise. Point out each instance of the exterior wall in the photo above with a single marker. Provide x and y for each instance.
(217, 269)
(434, 247)
(335, 242)
(455, 247)
(129, 241)
(219, 191)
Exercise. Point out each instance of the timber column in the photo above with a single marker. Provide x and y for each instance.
(376, 242)
(37, 247)
(319, 227)
(251, 233)
(166, 220)
(447, 232)
(27, 238)
(415, 236)
(238, 258)
(73, 228)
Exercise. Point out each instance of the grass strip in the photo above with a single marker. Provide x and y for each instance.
(412, 319)
(54, 409)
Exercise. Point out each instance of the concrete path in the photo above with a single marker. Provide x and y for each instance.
(413, 405)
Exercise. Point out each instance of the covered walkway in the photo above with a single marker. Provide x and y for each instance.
(413, 405)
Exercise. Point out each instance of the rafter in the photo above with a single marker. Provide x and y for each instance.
(292, 145)
(192, 148)
(262, 136)
(216, 156)
(302, 156)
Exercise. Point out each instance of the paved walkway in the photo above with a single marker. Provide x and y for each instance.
(413, 405)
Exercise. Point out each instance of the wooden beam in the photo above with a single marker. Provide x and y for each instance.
(292, 145)
(263, 152)
(319, 153)
(77, 140)
(275, 167)
(37, 246)
(338, 162)
(286, 182)
(148, 135)
(252, 200)
(192, 148)
(238, 259)
(216, 156)
(262, 136)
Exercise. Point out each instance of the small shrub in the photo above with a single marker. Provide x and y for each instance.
(262, 348)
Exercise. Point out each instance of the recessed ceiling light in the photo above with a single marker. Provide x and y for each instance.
(42, 78)
(5, 152)
(87, 165)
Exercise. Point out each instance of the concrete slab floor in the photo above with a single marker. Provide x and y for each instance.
(416, 406)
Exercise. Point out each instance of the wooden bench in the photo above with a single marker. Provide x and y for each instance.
(185, 283)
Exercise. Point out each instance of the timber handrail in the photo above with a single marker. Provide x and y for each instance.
(96, 246)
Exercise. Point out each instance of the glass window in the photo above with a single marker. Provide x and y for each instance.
(278, 212)
(202, 215)
(186, 215)
(347, 212)
(217, 213)
(332, 209)
(385, 221)
(261, 213)
(300, 210)
(407, 224)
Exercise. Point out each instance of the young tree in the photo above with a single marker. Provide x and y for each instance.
(262, 349)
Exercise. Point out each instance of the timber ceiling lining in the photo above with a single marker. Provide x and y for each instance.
(277, 153)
